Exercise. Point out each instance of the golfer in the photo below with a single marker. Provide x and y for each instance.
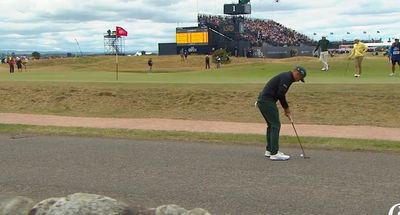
(395, 55)
(323, 43)
(358, 53)
(275, 90)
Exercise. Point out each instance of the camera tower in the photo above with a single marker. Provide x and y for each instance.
(113, 44)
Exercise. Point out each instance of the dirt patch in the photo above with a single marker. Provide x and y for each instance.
(357, 132)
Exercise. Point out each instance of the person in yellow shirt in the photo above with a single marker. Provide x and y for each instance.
(358, 53)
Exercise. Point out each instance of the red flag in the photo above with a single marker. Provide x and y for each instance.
(121, 32)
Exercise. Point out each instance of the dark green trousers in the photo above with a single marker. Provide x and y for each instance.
(270, 112)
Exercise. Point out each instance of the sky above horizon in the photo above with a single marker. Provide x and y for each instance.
(60, 25)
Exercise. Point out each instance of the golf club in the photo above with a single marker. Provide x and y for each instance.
(303, 155)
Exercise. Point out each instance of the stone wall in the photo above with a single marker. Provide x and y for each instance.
(85, 204)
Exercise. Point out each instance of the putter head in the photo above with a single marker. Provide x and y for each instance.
(305, 157)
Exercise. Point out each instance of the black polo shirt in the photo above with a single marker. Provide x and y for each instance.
(276, 89)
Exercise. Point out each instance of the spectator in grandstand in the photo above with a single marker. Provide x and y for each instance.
(358, 53)
(150, 63)
(207, 60)
(275, 90)
(323, 45)
(395, 55)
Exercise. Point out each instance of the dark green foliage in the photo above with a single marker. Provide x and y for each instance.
(36, 55)
(223, 54)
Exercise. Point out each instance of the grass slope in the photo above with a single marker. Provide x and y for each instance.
(24, 131)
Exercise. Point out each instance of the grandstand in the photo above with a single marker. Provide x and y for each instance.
(239, 35)
(256, 31)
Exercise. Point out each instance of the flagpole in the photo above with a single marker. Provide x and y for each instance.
(116, 64)
(119, 33)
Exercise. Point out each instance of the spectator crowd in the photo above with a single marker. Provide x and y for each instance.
(12, 60)
(257, 31)
(268, 31)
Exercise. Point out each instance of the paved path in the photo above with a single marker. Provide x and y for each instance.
(225, 179)
(360, 132)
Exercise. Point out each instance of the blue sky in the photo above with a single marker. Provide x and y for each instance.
(57, 25)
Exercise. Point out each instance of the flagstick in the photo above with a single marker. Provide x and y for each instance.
(119, 33)
(116, 64)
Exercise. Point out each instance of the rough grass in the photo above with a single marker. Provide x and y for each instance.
(344, 104)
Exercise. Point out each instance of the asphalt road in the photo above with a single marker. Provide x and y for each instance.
(222, 178)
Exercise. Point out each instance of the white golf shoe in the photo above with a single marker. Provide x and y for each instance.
(279, 157)
(267, 153)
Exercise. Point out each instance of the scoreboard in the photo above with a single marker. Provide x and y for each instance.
(191, 36)
(237, 9)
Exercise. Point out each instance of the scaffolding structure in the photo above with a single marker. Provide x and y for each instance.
(113, 44)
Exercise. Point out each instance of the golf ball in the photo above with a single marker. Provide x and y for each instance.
(301, 155)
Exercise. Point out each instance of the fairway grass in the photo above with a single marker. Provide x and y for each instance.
(169, 69)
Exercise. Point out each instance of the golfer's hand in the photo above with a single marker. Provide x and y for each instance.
(287, 112)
